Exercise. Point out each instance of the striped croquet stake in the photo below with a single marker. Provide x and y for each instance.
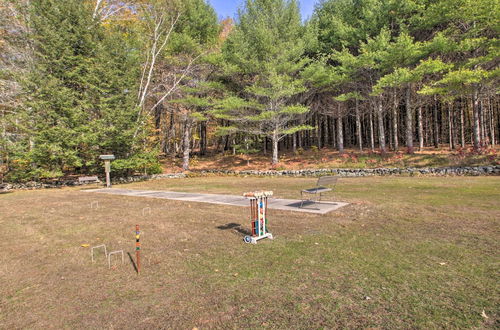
(258, 214)
(138, 248)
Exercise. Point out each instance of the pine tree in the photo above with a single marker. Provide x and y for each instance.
(264, 58)
(80, 103)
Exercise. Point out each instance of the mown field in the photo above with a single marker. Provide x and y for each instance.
(407, 252)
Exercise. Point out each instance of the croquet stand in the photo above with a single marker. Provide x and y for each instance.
(258, 211)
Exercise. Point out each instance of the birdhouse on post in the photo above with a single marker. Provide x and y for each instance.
(107, 167)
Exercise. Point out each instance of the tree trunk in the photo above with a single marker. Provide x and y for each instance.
(482, 126)
(409, 121)
(326, 133)
(158, 112)
(450, 126)
(476, 137)
(358, 126)
(220, 140)
(334, 139)
(318, 131)
(170, 133)
(462, 128)
(3, 140)
(161, 123)
(294, 142)
(372, 138)
(340, 131)
(203, 138)
(492, 124)
(340, 135)
(275, 148)
(226, 142)
(195, 143)
(388, 131)
(381, 130)
(436, 125)
(395, 120)
(426, 126)
(186, 143)
(420, 130)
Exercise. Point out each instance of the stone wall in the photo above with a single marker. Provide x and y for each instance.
(74, 182)
(346, 172)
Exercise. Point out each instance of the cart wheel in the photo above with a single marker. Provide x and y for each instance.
(247, 239)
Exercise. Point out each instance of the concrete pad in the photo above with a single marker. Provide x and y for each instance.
(274, 203)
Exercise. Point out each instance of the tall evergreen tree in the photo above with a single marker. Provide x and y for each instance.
(264, 57)
(79, 101)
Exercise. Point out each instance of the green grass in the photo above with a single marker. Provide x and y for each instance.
(424, 250)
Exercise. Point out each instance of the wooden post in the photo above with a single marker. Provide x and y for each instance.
(107, 167)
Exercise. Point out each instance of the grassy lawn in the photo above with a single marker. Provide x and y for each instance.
(407, 253)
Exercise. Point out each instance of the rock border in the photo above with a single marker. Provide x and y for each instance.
(31, 185)
(349, 172)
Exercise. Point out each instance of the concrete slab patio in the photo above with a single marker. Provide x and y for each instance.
(274, 203)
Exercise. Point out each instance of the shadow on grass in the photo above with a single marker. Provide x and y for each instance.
(133, 262)
(305, 205)
(236, 227)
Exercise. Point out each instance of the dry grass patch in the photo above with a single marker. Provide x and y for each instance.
(424, 250)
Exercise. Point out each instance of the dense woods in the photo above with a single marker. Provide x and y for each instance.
(164, 78)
